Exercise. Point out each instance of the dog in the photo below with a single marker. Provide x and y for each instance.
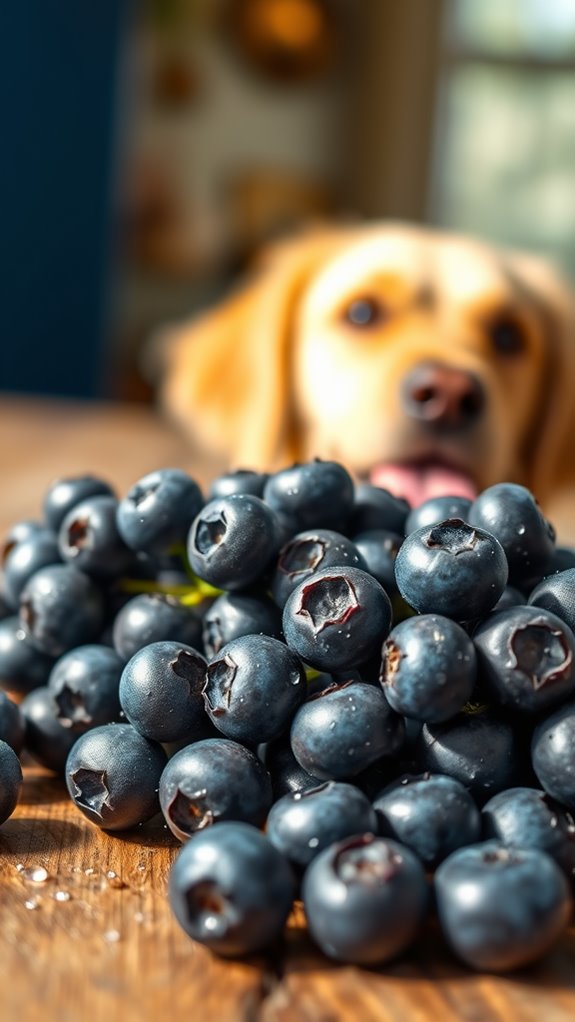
(425, 361)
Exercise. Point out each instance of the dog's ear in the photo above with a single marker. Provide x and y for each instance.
(227, 373)
(552, 459)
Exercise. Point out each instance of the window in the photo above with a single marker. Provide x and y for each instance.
(504, 159)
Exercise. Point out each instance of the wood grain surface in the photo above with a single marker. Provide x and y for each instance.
(94, 939)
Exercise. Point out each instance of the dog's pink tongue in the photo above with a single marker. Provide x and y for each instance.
(416, 483)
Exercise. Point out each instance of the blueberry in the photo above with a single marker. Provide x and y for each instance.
(379, 549)
(315, 495)
(308, 552)
(302, 823)
(436, 510)
(365, 898)
(113, 774)
(46, 739)
(89, 539)
(157, 512)
(12, 724)
(451, 568)
(511, 514)
(376, 508)
(154, 617)
(529, 818)
(232, 541)
(161, 691)
(556, 593)
(510, 597)
(24, 560)
(285, 772)
(22, 666)
(526, 658)
(342, 730)
(553, 755)
(234, 614)
(61, 607)
(428, 668)
(85, 685)
(231, 890)
(19, 532)
(337, 619)
(254, 686)
(563, 559)
(64, 494)
(10, 780)
(501, 908)
(432, 814)
(210, 781)
(242, 480)
(478, 748)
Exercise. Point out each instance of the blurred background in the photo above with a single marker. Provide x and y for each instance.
(150, 148)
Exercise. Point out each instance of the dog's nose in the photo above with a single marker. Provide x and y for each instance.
(442, 395)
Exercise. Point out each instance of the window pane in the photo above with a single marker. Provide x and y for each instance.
(505, 161)
(537, 28)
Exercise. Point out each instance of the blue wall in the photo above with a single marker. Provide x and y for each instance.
(59, 62)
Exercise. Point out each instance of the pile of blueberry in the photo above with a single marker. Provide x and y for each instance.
(374, 705)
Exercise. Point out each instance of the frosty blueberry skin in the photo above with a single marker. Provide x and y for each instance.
(451, 568)
(113, 774)
(211, 781)
(365, 898)
(526, 658)
(501, 908)
(337, 619)
(10, 780)
(231, 890)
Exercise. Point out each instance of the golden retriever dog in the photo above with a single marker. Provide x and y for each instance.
(426, 362)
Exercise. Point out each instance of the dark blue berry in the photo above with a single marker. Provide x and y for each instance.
(64, 494)
(529, 818)
(113, 774)
(22, 666)
(376, 508)
(315, 495)
(234, 614)
(25, 559)
(10, 780)
(231, 890)
(46, 738)
(501, 908)
(157, 512)
(154, 617)
(553, 755)
(556, 593)
(342, 730)
(307, 553)
(302, 823)
(379, 549)
(210, 781)
(428, 668)
(232, 541)
(451, 568)
(285, 772)
(436, 510)
(337, 619)
(161, 691)
(432, 814)
(12, 723)
(526, 658)
(61, 607)
(253, 687)
(85, 685)
(511, 514)
(242, 480)
(364, 898)
(89, 539)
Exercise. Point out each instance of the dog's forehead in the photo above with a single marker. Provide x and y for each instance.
(457, 268)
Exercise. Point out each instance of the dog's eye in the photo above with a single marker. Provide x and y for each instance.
(363, 312)
(507, 336)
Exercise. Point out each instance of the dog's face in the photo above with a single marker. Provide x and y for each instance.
(427, 362)
(420, 362)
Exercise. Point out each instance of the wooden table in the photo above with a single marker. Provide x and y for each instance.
(95, 940)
